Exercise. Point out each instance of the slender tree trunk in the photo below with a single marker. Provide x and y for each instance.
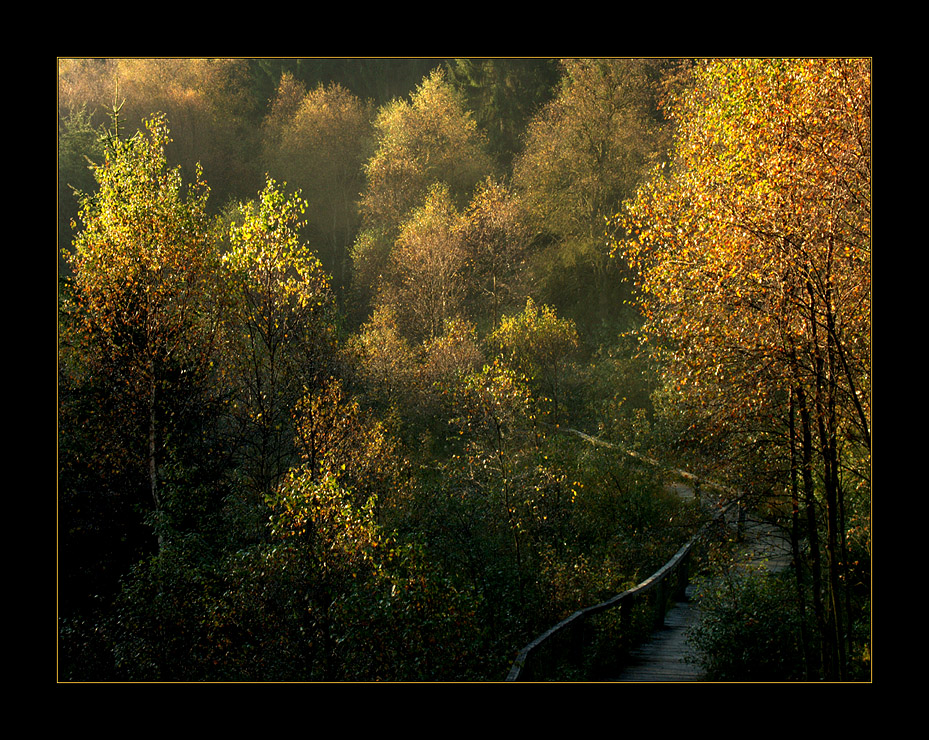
(812, 524)
(824, 403)
(512, 518)
(830, 485)
(152, 458)
(839, 366)
(795, 537)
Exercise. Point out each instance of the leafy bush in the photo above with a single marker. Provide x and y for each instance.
(749, 629)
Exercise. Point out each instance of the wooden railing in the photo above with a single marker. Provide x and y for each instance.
(595, 639)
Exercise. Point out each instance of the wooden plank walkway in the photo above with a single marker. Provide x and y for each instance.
(668, 656)
(665, 656)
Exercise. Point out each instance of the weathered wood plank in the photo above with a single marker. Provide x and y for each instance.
(663, 657)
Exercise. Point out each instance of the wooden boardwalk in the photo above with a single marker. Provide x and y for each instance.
(665, 656)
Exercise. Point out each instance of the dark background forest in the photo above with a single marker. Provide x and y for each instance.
(323, 323)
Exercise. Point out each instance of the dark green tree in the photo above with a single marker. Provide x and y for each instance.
(79, 145)
(504, 95)
(585, 153)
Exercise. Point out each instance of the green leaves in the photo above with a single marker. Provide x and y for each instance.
(281, 330)
(267, 252)
(540, 345)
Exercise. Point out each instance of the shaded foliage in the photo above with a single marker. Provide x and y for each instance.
(311, 427)
(750, 629)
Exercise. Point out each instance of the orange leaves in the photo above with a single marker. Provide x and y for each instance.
(336, 439)
(145, 264)
(771, 171)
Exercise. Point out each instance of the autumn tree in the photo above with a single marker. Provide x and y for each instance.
(337, 438)
(444, 362)
(426, 282)
(336, 596)
(317, 141)
(383, 359)
(540, 345)
(143, 320)
(326, 550)
(412, 381)
(420, 144)
(324, 533)
(447, 263)
(497, 239)
(754, 250)
(282, 340)
(432, 138)
(585, 152)
(496, 418)
(447, 358)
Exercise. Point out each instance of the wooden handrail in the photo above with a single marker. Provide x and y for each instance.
(569, 630)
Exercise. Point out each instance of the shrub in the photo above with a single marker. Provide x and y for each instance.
(749, 629)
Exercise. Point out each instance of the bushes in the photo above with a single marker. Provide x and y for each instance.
(749, 629)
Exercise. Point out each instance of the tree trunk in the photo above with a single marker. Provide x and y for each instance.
(152, 459)
(824, 403)
(812, 525)
(795, 530)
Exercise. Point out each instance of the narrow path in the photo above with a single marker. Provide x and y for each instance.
(664, 656)
(667, 656)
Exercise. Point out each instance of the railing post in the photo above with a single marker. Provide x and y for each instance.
(683, 578)
(661, 603)
(625, 622)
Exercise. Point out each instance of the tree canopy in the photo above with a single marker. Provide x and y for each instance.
(144, 313)
(754, 254)
(328, 330)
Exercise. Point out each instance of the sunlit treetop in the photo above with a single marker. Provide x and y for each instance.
(752, 246)
(145, 263)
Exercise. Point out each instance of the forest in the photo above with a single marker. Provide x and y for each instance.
(326, 329)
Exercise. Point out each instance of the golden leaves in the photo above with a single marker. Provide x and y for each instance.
(771, 173)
